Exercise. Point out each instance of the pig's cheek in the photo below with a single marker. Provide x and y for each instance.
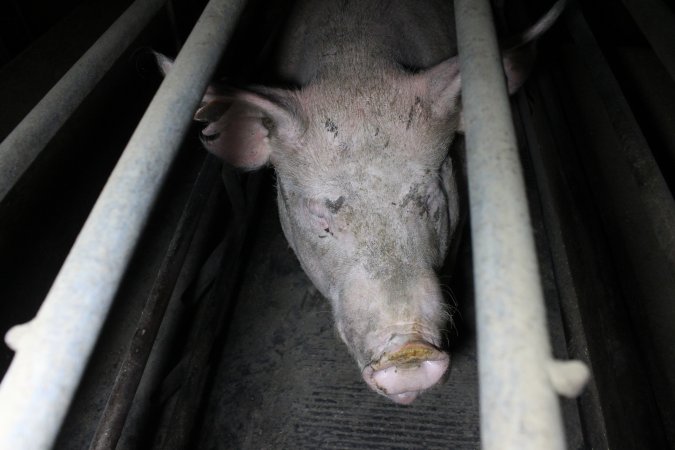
(345, 240)
(439, 217)
(331, 256)
(286, 227)
(313, 247)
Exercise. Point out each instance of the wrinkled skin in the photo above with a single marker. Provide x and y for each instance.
(366, 189)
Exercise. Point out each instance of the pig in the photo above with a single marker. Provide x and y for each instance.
(366, 187)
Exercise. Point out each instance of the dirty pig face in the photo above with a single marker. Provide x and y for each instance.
(372, 244)
(366, 191)
(370, 220)
(364, 224)
(367, 200)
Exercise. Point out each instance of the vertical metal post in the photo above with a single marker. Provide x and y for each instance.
(518, 377)
(53, 349)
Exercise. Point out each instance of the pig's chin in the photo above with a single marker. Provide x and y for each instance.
(404, 367)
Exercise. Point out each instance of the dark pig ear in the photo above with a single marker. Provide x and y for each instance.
(518, 64)
(442, 84)
(244, 127)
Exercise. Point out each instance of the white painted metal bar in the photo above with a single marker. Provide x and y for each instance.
(519, 380)
(53, 348)
(31, 135)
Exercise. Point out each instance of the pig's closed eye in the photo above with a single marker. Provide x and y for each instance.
(321, 214)
(324, 227)
(326, 233)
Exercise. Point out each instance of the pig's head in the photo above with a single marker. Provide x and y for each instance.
(367, 200)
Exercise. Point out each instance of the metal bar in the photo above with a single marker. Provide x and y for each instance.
(149, 395)
(131, 370)
(598, 320)
(551, 150)
(52, 349)
(657, 23)
(518, 377)
(209, 320)
(31, 135)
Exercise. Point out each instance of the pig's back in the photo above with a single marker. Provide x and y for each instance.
(335, 38)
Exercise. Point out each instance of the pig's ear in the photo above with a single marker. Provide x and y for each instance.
(444, 80)
(518, 64)
(242, 126)
(441, 85)
(245, 127)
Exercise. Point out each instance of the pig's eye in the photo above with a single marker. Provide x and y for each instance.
(322, 212)
(319, 217)
(326, 233)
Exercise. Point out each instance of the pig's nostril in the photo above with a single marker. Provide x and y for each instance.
(396, 380)
(405, 398)
(402, 374)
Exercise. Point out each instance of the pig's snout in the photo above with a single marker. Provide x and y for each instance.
(407, 366)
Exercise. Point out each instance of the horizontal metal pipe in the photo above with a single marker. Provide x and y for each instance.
(518, 378)
(53, 348)
(31, 135)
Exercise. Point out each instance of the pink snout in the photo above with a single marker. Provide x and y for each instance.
(407, 366)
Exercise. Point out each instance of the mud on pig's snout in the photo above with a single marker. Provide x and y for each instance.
(407, 366)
